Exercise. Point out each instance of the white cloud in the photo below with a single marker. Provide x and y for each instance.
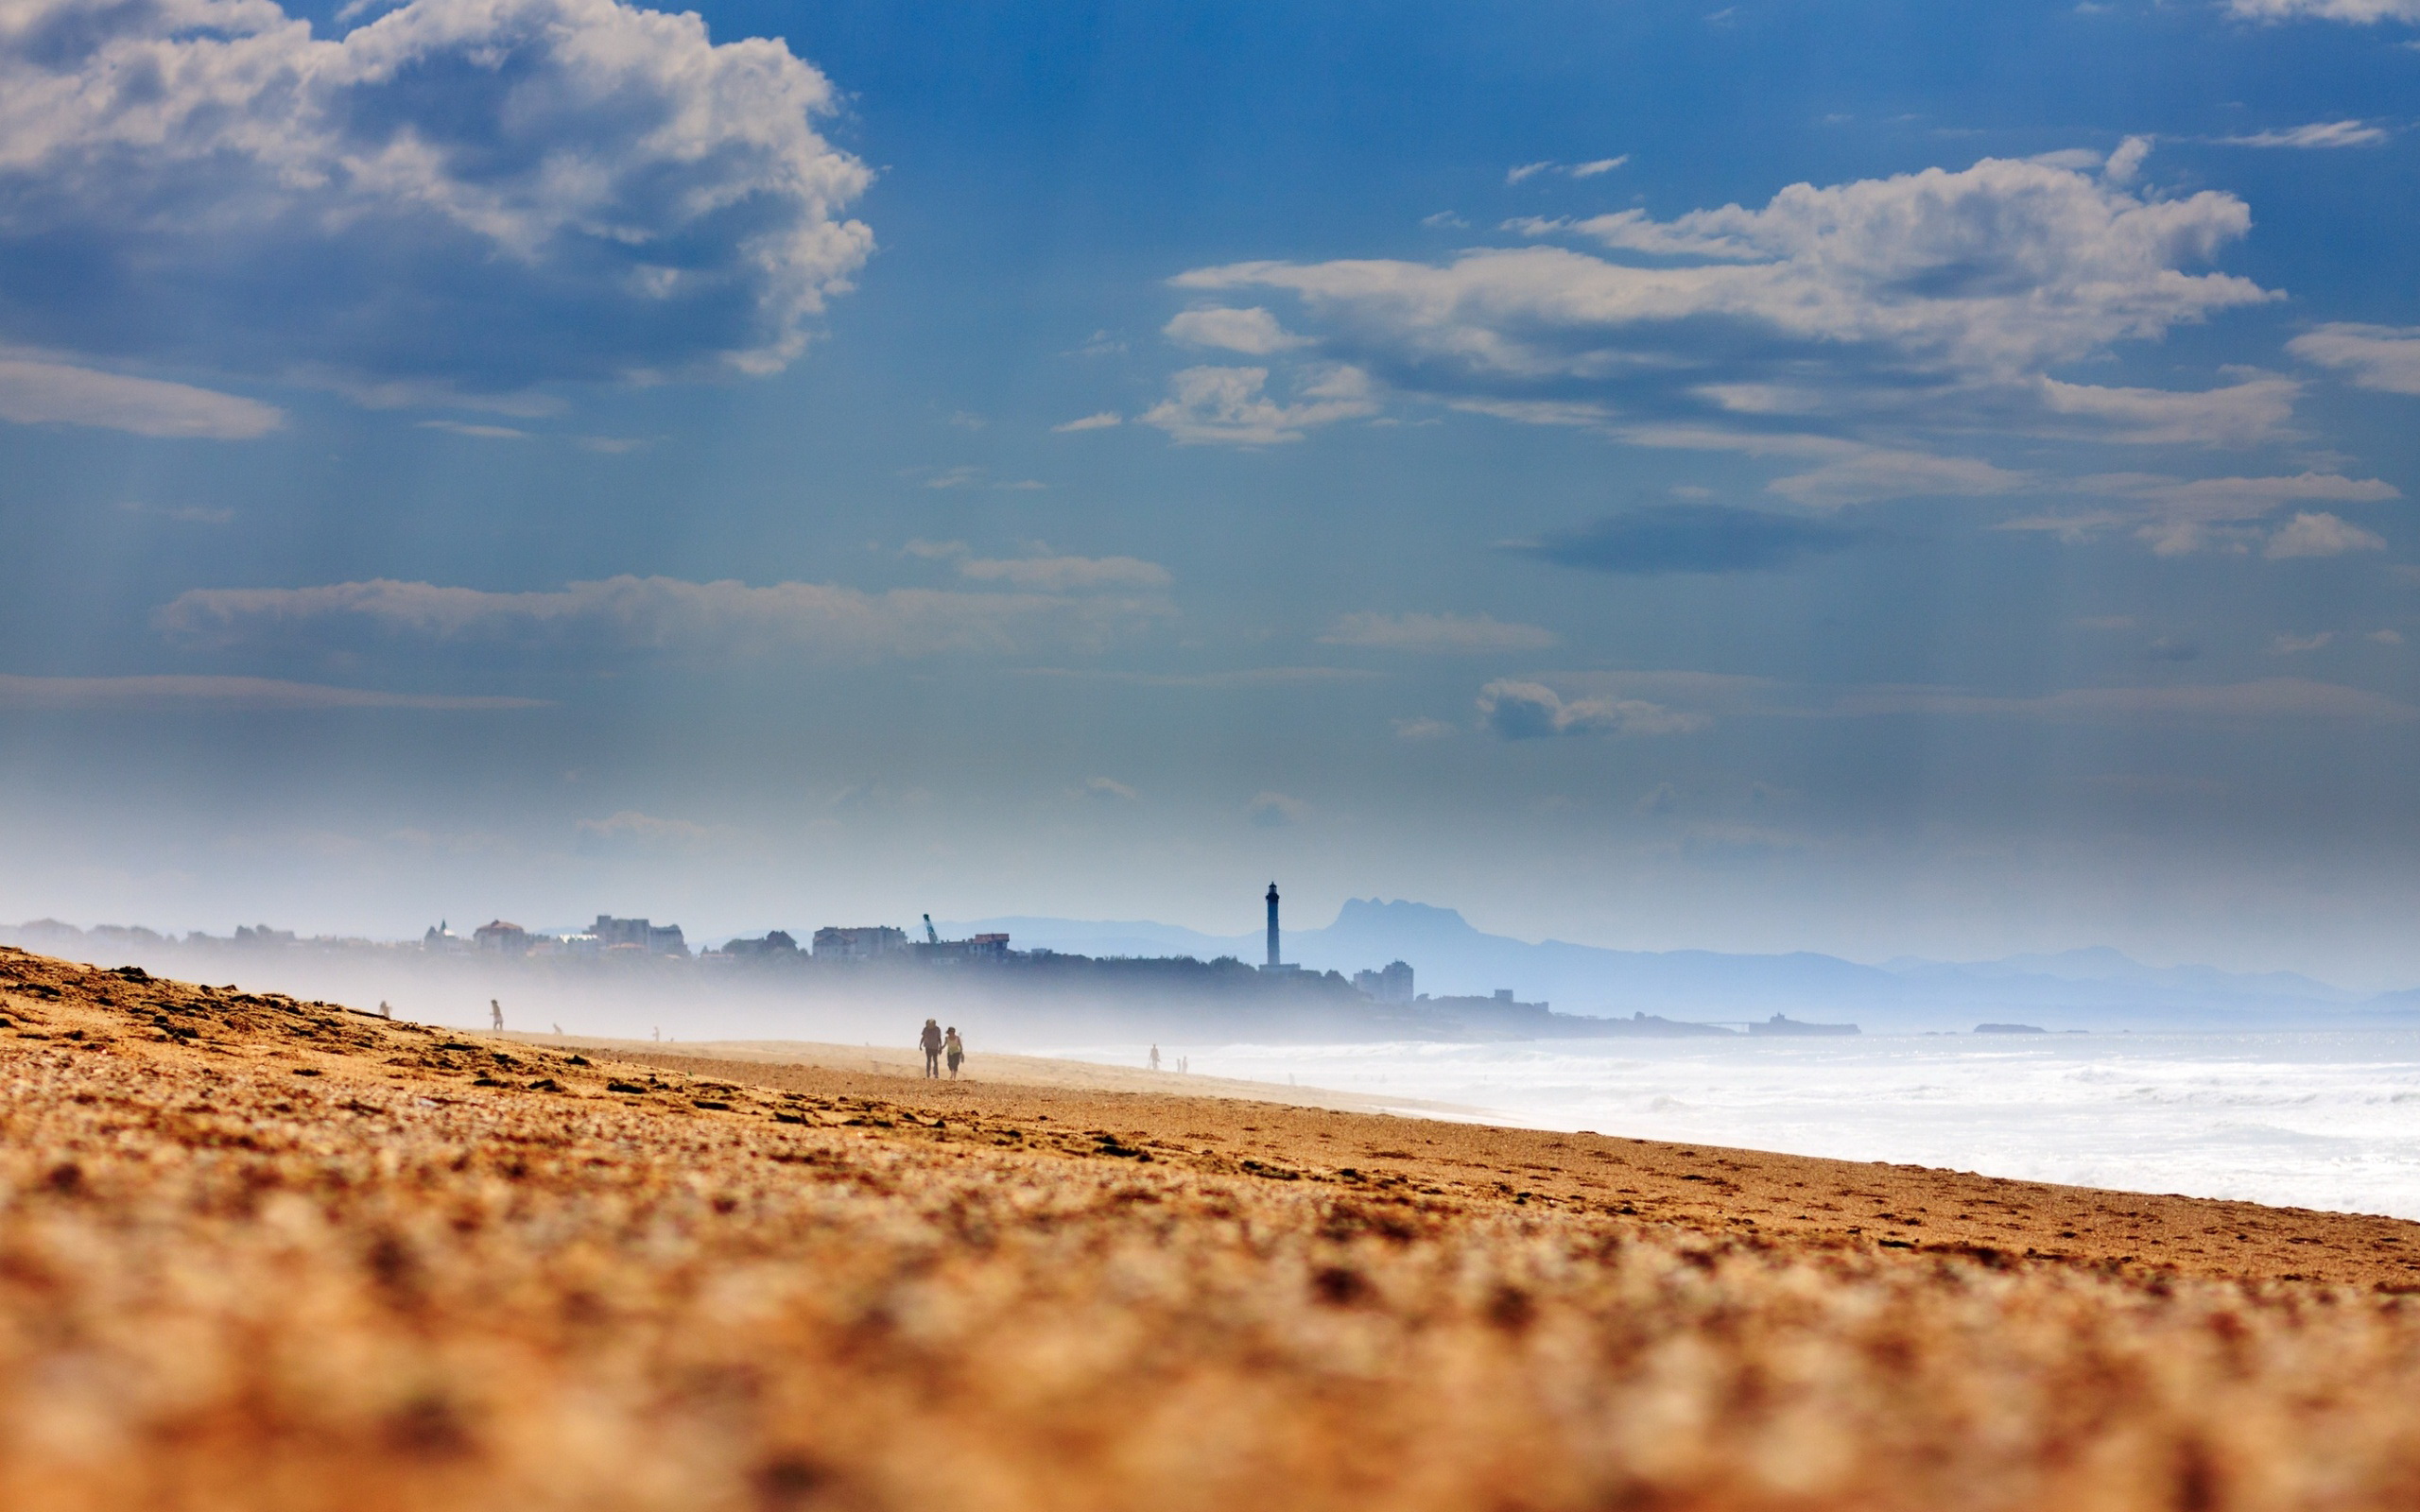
(670, 616)
(1518, 710)
(2378, 357)
(2297, 645)
(1275, 810)
(2238, 415)
(1448, 633)
(2360, 13)
(1939, 298)
(1108, 790)
(1866, 474)
(2316, 134)
(1101, 422)
(2127, 162)
(2387, 637)
(1845, 471)
(1443, 221)
(1228, 405)
(1423, 728)
(34, 392)
(1254, 331)
(180, 691)
(459, 195)
(2321, 535)
(1571, 170)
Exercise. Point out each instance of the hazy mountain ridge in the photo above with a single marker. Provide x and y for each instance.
(2087, 989)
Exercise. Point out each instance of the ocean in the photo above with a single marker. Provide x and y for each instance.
(2325, 1120)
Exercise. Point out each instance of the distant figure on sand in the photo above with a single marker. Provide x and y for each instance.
(384, 1011)
(1155, 1058)
(931, 1040)
(957, 1051)
(496, 1011)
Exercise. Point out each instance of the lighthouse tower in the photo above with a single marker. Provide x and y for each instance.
(1273, 926)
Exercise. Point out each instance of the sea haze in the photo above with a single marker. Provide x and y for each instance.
(2297, 1119)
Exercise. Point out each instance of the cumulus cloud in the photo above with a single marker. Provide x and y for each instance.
(1517, 709)
(2378, 356)
(182, 691)
(1993, 271)
(1254, 331)
(2176, 516)
(2316, 134)
(668, 616)
(1685, 539)
(1448, 633)
(457, 197)
(2321, 535)
(34, 392)
(1229, 406)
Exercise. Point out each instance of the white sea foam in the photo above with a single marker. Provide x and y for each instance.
(2312, 1120)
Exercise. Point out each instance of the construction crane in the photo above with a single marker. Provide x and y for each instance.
(932, 935)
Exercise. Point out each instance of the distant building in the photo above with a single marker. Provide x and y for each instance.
(1391, 984)
(979, 948)
(652, 939)
(441, 940)
(862, 943)
(501, 937)
(776, 943)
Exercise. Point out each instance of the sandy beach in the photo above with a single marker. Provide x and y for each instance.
(262, 1253)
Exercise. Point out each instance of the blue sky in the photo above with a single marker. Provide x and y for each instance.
(1881, 478)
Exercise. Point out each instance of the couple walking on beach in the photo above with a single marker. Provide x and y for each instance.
(937, 1044)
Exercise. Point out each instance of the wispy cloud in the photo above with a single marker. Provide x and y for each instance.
(38, 393)
(2316, 134)
(185, 692)
(674, 617)
(1100, 422)
(2268, 700)
(1454, 634)
(1234, 678)
(2384, 357)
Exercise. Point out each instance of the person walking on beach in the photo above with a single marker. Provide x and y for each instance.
(931, 1041)
(1155, 1058)
(957, 1051)
(496, 1011)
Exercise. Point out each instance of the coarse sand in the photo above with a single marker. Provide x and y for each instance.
(262, 1253)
